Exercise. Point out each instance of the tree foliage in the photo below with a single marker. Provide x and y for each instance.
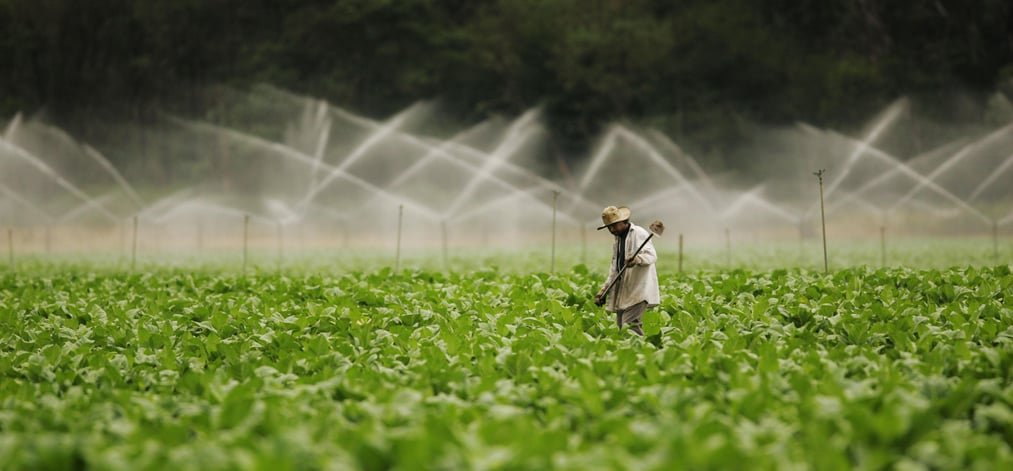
(696, 65)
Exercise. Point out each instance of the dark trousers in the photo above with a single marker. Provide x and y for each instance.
(631, 316)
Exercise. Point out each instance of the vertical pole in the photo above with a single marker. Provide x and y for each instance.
(801, 238)
(10, 246)
(583, 245)
(443, 239)
(552, 263)
(823, 221)
(49, 239)
(728, 248)
(246, 234)
(680, 253)
(281, 243)
(133, 246)
(200, 236)
(995, 239)
(882, 245)
(397, 256)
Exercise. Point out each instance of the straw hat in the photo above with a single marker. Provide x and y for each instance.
(613, 214)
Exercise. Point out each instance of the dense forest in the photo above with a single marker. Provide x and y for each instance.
(690, 67)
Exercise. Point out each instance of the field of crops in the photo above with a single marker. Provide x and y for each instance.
(490, 368)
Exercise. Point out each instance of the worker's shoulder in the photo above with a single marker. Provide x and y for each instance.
(639, 230)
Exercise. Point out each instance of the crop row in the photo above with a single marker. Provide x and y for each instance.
(783, 369)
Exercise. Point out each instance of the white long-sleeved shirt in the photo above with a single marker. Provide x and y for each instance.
(640, 281)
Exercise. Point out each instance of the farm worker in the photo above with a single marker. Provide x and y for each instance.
(637, 289)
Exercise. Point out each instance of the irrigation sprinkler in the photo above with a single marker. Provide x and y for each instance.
(123, 239)
(801, 237)
(443, 240)
(397, 254)
(552, 263)
(281, 243)
(246, 234)
(200, 236)
(823, 220)
(656, 228)
(882, 245)
(133, 247)
(583, 245)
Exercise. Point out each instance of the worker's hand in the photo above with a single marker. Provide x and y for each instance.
(633, 261)
(599, 299)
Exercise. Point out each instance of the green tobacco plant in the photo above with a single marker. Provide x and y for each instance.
(862, 368)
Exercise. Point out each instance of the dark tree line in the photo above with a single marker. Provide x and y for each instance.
(691, 67)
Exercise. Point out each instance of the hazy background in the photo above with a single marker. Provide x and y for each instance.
(472, 123)
(697, 70)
